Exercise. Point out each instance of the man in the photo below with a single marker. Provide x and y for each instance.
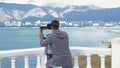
(59, 40)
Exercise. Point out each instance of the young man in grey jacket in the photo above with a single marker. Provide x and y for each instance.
(61, 55)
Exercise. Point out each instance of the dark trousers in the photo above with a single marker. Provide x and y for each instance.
(49, 56)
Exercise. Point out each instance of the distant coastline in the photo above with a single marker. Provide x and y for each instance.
(114, 31)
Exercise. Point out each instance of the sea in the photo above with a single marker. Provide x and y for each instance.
(28, 37)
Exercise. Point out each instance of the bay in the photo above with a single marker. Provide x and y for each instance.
(22, 37)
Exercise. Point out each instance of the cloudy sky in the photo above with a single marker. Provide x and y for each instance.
(100, 3)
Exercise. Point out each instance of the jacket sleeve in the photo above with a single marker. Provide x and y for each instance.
(45, 42)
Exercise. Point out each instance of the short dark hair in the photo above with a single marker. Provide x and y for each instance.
(55, 24)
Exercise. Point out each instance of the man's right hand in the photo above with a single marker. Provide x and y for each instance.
(41, 34)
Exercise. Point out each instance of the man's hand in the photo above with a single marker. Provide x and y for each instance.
(41, 34)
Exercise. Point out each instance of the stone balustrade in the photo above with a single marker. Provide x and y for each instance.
(76, 52)
(39, 53)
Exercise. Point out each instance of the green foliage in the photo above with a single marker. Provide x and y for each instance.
(106, 42)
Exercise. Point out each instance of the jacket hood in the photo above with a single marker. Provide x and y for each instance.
(60, 34)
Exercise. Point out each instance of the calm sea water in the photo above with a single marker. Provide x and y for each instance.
(19, 38)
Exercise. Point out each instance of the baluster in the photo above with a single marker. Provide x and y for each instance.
(102, 61)
(76, 65)
(44, 60)
(0, 62)
(89, 61)
(26, 62)
(38, 62)
(13, 62)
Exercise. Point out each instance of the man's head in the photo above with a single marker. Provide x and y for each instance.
(55, 24)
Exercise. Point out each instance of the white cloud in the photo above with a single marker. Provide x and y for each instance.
(15, 1)
(101, 3)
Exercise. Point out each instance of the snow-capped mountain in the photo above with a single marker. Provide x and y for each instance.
(4, 15)
(27, 12)
(54, 13)
(37, 12)
(17, 14)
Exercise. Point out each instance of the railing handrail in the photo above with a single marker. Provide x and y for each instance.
(74, 50)
(92, 50)
(17, 52)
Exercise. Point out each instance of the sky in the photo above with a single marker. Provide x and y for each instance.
(99, 3)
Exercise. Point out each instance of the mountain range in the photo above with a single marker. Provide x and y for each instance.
(28, 12)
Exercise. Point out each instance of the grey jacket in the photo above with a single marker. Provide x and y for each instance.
(60, 48)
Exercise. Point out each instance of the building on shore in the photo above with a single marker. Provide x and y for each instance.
(95, 24)
(108, 24)
(12, 23)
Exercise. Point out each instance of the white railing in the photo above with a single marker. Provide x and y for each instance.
(39, 52)
(76, 51)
